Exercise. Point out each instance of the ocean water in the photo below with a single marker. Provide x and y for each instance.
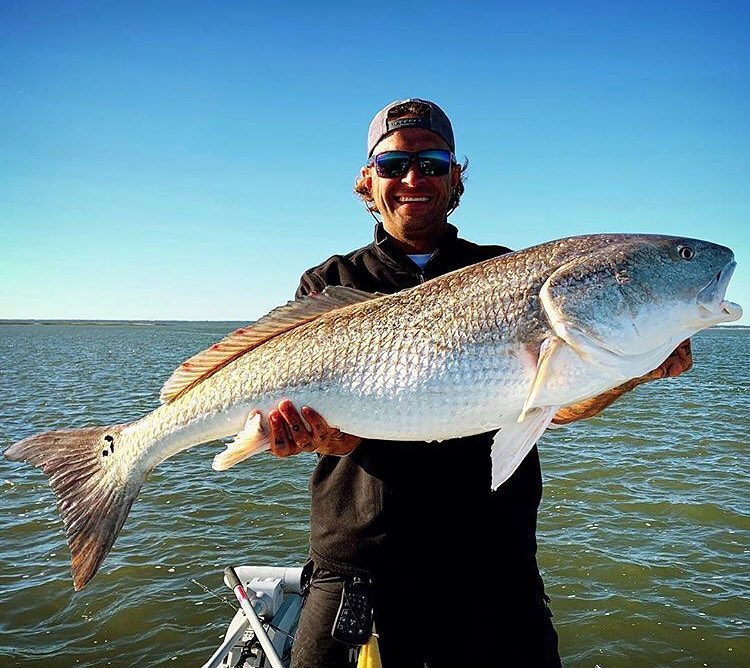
(644, 532)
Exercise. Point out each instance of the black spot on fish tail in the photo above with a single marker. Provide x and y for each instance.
(93, 501)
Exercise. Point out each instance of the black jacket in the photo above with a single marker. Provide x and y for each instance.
(411, 504)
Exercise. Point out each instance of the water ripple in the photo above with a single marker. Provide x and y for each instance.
(643, 533)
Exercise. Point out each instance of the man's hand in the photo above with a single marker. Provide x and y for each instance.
(679, 361)
(290, 435)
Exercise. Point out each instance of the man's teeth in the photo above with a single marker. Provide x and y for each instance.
(413, 199)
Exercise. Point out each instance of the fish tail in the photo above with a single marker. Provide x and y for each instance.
(93, 486)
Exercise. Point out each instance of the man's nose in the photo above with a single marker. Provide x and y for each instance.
(413, 175)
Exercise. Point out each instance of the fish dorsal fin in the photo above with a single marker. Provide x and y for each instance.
(283, 318)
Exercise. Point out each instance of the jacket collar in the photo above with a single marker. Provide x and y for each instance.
(386, 247)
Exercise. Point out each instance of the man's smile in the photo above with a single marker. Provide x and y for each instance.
(407, 199)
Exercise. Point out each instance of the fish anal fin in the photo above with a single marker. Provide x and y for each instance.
(282, 319)
(514, 441)
(253, 439)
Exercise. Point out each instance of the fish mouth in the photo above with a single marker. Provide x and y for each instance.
(711, 298)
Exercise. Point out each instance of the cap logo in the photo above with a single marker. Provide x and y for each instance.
(412, 121)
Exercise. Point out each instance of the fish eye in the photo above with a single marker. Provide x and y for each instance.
(685, 252)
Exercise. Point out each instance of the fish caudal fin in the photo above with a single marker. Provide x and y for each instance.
(514, 441)
(250, 441)
(93, 487)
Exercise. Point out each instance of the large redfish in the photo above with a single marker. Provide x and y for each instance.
(502, 344)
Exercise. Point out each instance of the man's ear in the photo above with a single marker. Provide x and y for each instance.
(367, 176)
(455, 175)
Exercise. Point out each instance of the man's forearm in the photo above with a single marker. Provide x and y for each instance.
(679, 361)
(590, 407)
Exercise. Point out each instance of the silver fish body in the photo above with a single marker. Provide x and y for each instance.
(502, 344)
(457, 355)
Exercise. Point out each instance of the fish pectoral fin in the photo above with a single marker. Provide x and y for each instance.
(514, 441)
(251, 440)
(554, 353)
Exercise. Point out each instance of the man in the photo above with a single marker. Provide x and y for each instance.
(452, 564)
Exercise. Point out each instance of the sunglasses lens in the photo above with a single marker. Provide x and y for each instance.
(395, 164)
(434, 163)
(392, 164)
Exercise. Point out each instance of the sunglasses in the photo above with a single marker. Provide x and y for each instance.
(395, 164)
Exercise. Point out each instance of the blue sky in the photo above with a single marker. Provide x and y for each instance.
(188, 160)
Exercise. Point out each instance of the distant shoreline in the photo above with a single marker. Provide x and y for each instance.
(167, 323)
(115, 323)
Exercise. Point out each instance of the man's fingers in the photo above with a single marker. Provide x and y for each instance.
(674, 368)
(329, 441)
(685, 351)
(282, 444)
(302, 438)
(680, 360)
(290, 435)
(319, 427)
(657, 373)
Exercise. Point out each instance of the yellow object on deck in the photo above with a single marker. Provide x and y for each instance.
(369, 655)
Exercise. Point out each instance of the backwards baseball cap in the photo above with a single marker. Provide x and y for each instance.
(411, 113)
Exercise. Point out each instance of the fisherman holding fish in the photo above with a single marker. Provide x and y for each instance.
(448, 377)
(408, 518)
